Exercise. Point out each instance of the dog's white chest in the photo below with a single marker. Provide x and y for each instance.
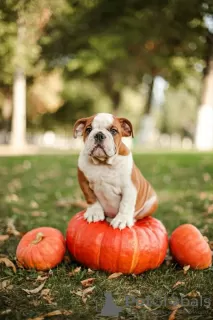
(107, 182)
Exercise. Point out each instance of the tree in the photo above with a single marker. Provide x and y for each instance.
(24, 23)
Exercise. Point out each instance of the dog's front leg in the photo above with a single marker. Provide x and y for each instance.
(125, 216)
(94, 212)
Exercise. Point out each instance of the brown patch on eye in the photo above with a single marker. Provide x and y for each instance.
(87, 125)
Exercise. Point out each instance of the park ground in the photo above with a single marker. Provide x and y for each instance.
(39, 190)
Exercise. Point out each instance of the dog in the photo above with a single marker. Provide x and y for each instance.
(113, 186)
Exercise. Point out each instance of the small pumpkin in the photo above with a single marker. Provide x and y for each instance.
(41, 248)
(131, 250)
(189, 247)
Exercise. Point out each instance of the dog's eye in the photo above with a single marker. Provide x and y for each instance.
(88, 130)
(113, 131)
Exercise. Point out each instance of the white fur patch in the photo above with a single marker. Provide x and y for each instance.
(112, 185)
(102, 120)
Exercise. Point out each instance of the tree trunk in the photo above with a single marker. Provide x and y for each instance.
(147, 125)
(204, 130)
(148, 106)
(18, 134)
(6, 115)
(115, 96)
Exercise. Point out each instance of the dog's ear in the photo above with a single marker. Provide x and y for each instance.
(126, 126)
(79, 127)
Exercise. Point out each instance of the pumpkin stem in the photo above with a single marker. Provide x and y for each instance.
(38, 238)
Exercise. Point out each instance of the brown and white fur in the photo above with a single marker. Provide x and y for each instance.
(113, 186)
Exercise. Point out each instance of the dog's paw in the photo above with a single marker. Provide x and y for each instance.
(122, 221)
(94, 213)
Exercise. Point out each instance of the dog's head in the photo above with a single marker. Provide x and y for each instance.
(102, 134)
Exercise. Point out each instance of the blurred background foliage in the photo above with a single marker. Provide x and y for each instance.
(86, 56)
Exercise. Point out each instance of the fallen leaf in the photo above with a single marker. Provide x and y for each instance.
(173, 314)
(90, 271)
(38, 213)
(67, 259)
(79, 292)
(86, 292)
(210, 209)
(206, 239)
(46, 295)
(87, 282)
(76, 270)
(52, 314)
(185, 269)
(8, 263)
(115, 275)
(206, 177)
(36, 290)
(40, 278)
(45, 292)
(19, 265)
(64, 203)
(11, 229)
(4, 284)
(178, 283)
(193, 294)
(211, 245)
(34, 204)
(3, 237)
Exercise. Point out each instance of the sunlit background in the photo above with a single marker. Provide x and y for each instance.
(150, 61)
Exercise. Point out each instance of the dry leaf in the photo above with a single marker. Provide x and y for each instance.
(79, 292)
(193, 294)
(4, 284)
(36, 290)
(34, 204)
(40, 278)
(90, 271)
(45, 292)
(211, 244)
(67, 259)
(206, 177)
(173, 314)
(76, 270)
(8, 263)
(86, 292)
(3, 237)
(11, 229)
(64, 203)
(206, 239)
(87, 282)
(178, 283)
(185, 269)
(52, 314)
(115, 275)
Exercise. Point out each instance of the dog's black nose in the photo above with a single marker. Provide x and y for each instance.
(99, 136)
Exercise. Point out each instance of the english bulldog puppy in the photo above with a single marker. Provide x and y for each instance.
(113, 186)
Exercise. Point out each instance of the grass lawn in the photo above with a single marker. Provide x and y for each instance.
(30, 188)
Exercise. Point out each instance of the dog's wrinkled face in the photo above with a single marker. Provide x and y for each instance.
(102, 134)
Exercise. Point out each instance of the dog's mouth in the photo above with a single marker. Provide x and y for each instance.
(98, 151)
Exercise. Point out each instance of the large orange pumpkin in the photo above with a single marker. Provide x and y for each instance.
(41, 249)
(189, 247)
(99, 246)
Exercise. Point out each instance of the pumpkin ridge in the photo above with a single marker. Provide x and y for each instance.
(150, 242)
(159, 251)
(101, 247)
(135, 255)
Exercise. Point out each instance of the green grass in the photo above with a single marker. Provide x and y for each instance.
(29, 190)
